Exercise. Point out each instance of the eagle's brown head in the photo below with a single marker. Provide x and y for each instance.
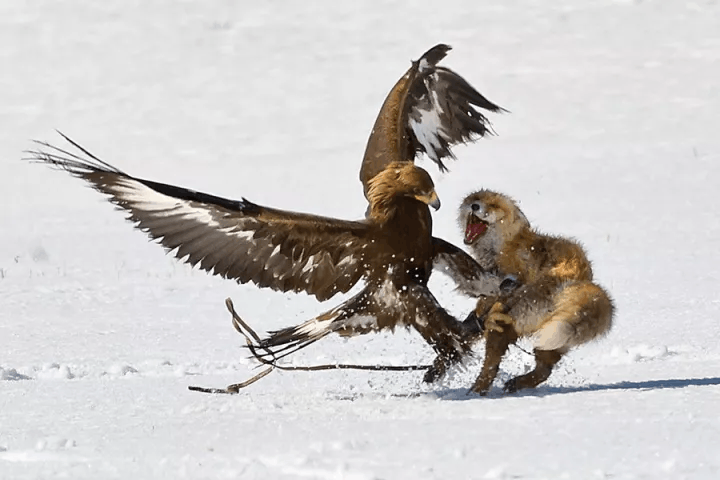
(400, 179)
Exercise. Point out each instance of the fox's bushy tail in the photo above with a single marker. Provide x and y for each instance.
(582, 312)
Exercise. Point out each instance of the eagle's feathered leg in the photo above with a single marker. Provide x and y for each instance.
(372, 310)
(447, 336)
(449, 343)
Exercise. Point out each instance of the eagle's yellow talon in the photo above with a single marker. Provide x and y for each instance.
(496, 320)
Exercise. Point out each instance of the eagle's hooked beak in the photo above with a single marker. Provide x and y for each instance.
(430, 199)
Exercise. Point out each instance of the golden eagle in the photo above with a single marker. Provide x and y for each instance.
(392, 250)
(428, 110)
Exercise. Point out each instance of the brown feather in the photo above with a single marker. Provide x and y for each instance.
(425, 92)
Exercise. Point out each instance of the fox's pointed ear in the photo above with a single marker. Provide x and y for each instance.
(520, 217)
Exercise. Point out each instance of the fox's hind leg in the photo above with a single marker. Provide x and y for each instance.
(582, 311)
(545, 360)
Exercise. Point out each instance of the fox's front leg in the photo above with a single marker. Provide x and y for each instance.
(496, 344)
(499, 334)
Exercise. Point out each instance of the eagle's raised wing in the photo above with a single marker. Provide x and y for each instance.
(233, 238)
(429, 110)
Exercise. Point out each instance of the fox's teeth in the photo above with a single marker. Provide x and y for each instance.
(474, 228)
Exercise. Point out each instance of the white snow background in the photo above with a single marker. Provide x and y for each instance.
(614, 139)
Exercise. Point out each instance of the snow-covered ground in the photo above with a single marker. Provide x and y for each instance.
(613, 139)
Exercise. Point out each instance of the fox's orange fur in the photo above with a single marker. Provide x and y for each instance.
(555, 303)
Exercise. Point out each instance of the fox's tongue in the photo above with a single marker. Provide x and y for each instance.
(474, 230)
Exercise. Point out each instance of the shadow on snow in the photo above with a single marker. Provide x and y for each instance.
(462, 394)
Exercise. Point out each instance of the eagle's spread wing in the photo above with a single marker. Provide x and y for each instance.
(429, 110)
(233, 238)
(467, 274)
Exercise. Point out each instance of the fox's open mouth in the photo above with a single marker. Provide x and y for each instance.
(474, 228)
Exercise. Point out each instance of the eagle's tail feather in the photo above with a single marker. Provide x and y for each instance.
(270, 354)
(287, 341)
(352, 317)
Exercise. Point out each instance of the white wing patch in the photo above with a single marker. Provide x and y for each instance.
(387, 295)
(423, 65)
(429, 129)
(310, 265)
(158, 205)
(346, 261)
(426, 131)
(271, 259)
(145, 198)
(361, 323)
(316, 326)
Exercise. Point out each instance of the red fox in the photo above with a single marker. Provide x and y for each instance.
(555, 303)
